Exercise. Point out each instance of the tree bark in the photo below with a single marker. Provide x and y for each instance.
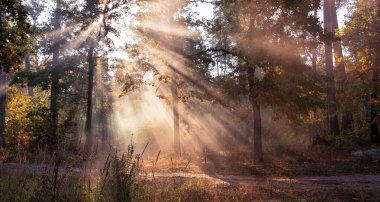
(375, 77)
(104, 121)
(314, 55)
(55, 81)
(3, 97)
(374, 127)
(331, 94)
(314, 60)
(174, 90)
(243, 85)
(338, 53)
(89, 134)
(257, 141)
(27, 69)
(254, 96)
(3, 105)
(347, 118)
(248, 122)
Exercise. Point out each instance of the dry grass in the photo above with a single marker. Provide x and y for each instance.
(24, 186)
(314, 162)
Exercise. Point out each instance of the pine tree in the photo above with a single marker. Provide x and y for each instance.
(331, 93)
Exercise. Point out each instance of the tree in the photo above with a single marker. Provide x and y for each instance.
(54, 89)
(347, 118)
(102, 12)
(14, 43)
(27, 120)
(374, 28)
(170, 48)
(362, 39)
(27, 69)
(174, 92)
(273, 73)
(331, 93)
(92, 7)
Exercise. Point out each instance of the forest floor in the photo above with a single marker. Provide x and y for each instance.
(357, 187)
(322, 162)
(335, 176)
(321, 175)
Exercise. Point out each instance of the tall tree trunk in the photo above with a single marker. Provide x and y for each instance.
(375, 77)
(374, 127)
(331, 97)
(55, 81)
(3, 105)
(254, 97)
(248, 122)
(257, 141)
(3, 97)
(314, 60)
(347, 118)
(27, 69)
(314, 55)
(177, 138)
(104, 120)
(89, 134)
(338, 54)
(244, 103)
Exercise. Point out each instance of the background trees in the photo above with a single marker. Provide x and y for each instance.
(15, 30)
(361, 37)
(249, 61)
(254, 38)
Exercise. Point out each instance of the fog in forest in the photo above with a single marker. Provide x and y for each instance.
(189, 100)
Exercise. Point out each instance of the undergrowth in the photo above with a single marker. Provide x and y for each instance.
(119, 179)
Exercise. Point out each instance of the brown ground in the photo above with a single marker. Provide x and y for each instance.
(327, 162)
(321, 176)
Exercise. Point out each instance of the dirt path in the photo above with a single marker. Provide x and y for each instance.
(366, 182)
(362, 182)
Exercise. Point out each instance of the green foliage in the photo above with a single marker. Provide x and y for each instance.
(356, 137)
(15, 32)
(361, 39)
(358, 36)
(39, 116)
(253, 35)
(33, 79)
